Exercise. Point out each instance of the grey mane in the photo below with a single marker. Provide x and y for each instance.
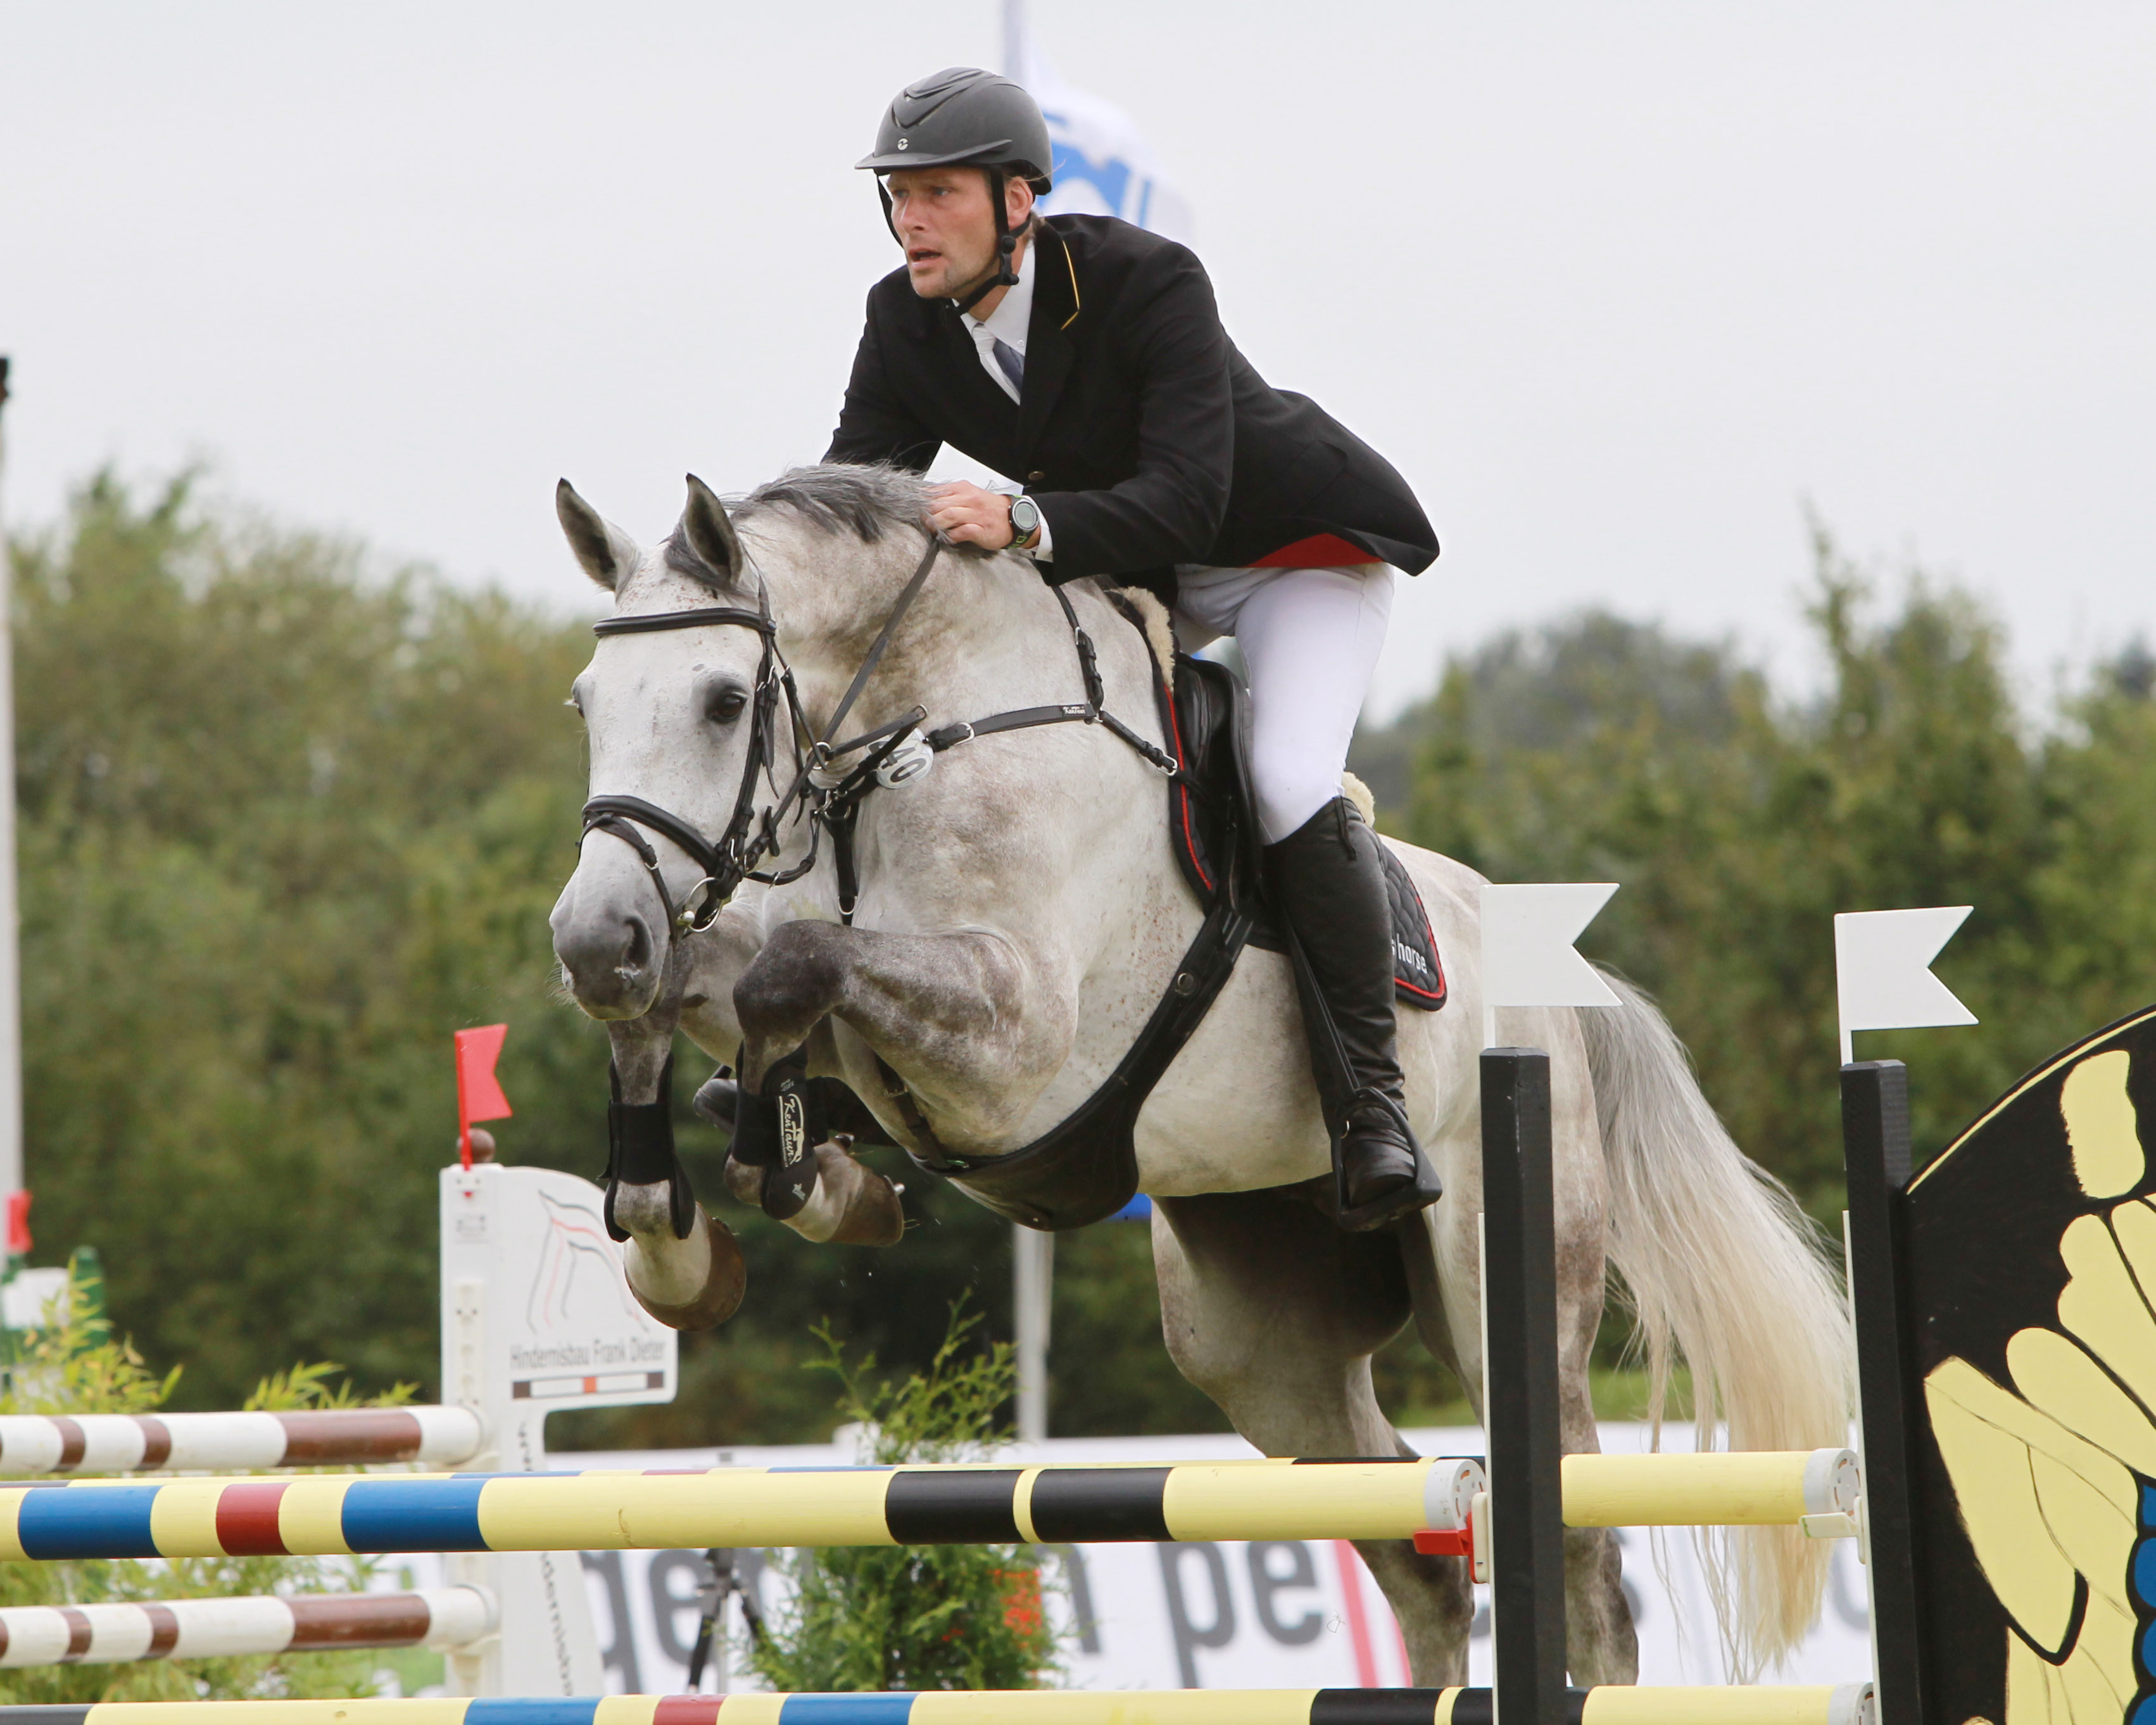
(865, 501)
(830, 496)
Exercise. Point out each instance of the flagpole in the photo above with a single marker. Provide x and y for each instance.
(1033, 1254)
(11, 993)
(1033, 1290)
(1014, 66)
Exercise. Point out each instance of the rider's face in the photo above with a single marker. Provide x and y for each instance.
(947, 226)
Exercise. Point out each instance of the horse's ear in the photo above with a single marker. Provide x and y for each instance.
(710, 534)
(607, 554)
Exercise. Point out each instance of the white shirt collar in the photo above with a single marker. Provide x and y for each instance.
(1007, 323)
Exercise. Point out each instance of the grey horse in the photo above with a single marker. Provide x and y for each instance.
(1019, 914)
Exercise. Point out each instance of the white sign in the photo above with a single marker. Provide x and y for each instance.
(537, 1316)
(1882, 967)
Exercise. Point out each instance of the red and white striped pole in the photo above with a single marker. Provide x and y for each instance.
(34, 1444)
(211, 1628)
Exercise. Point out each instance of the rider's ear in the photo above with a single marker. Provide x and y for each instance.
(607, 554)
(710, 534)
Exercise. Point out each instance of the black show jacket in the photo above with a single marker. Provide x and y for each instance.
(1146, 439)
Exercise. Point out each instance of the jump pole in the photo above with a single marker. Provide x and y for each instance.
(38, 1444)
(1794, 1705)
(330, 1514)
(112, 1633)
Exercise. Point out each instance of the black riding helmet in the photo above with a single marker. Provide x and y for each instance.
(965, 117)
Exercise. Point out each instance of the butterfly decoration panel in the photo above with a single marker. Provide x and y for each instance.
(2029, 1258)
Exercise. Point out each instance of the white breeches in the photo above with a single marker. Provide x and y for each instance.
(1310, 639)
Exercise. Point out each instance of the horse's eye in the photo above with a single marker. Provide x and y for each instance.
(726, 706)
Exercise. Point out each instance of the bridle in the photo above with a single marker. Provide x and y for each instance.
(734, 858)
(830, 806)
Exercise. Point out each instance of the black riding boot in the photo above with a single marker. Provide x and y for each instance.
(1327, 881)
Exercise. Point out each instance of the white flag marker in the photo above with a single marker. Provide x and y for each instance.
(1527, 959)
(1882, 966)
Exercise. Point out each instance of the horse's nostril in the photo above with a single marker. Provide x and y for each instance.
(637, 954)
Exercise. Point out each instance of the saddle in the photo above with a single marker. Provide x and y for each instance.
(1086, 1168)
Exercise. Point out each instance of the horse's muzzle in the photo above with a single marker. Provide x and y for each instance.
(613, 960)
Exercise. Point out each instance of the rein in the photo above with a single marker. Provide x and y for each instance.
(890, 755)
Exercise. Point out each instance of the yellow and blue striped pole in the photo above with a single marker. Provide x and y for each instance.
(321, 1515)
(1847, 1704)
(328, 1514)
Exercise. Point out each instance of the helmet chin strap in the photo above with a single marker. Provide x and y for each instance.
(1006, 247)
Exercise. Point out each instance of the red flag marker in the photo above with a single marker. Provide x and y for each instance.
(19, 1224)
(479, 1091)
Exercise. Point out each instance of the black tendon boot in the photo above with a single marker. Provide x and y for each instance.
(1327, 882)
(718, 1099)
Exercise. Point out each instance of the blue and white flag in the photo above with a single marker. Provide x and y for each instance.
(1103, 166)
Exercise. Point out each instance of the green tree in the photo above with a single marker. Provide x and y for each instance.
(282, 829)
(1739, 824)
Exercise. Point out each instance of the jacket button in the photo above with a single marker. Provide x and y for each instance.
(1035, 477)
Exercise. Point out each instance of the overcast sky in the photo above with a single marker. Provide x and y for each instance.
(1618, 287)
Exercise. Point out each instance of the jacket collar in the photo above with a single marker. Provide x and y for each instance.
(1057, 306)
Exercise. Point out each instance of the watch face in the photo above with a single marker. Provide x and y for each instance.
(1025, 516)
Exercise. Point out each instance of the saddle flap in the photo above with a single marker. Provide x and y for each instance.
(1206, 718)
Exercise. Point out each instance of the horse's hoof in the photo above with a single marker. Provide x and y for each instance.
(723, 1288)
(850, 1204)
(718, 1099)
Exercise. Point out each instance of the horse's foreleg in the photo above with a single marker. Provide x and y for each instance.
(958, 1015)
(1273, 1312)
(951, 1011)
(690, 1283)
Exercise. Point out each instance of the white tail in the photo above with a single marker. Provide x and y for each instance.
(1724, 1272)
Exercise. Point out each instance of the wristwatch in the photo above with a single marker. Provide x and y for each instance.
(1025, 523)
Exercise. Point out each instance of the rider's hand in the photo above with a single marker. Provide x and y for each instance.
(966, 515)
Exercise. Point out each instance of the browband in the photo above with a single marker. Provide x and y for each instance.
(649, 620)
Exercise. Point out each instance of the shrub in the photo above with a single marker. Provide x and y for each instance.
(913, 1617)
